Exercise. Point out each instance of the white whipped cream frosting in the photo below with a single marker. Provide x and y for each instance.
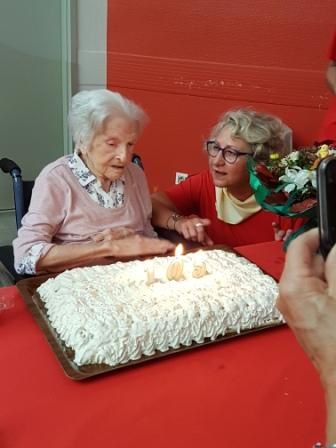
(108, 314)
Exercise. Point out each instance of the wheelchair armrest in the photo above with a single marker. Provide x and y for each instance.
(9, 166)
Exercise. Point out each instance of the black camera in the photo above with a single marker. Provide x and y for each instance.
(326, 202)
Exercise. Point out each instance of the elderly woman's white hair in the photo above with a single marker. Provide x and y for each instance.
(263, 132)
(90, 108)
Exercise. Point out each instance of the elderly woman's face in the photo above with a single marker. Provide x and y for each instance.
(111, 148)
(230, 175)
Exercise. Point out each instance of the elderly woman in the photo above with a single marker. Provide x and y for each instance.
(94, 204)
(217, 206)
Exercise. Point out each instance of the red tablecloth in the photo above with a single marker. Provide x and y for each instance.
(256, 391)
(269, 256)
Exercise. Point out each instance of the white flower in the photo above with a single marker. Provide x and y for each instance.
(283, 163)
(297, 178)
(290, 159)
(293, 156)
(313, 179)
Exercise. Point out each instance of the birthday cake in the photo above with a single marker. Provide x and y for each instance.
(127, 310)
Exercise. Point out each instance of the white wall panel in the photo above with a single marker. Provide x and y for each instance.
(92, 26)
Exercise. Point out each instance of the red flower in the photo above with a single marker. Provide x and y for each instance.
(276, 198)
(266, 176)
(303, 206)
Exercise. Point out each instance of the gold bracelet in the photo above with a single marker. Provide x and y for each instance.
(175, 217)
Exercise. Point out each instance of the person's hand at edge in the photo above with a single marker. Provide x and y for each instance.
(307, 301)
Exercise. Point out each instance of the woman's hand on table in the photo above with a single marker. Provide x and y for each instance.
(280, 234)
(135, 245)
(61, 257)
(193, 228)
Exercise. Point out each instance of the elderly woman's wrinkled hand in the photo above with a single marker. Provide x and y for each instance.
(308, 302)
(113, 234)
(193, 228)
(135, 245)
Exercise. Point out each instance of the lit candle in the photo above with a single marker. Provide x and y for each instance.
(199, 267)
(175, 268)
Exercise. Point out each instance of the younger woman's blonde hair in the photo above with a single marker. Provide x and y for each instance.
(263, 132)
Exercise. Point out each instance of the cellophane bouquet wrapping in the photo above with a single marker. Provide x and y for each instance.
(286, 185)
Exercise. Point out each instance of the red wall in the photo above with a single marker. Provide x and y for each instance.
(188, 61)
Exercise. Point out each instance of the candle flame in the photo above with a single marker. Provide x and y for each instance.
(179, 250)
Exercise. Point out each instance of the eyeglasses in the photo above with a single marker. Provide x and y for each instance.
(229, 153)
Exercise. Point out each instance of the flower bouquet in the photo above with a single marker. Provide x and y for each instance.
(287, 185)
